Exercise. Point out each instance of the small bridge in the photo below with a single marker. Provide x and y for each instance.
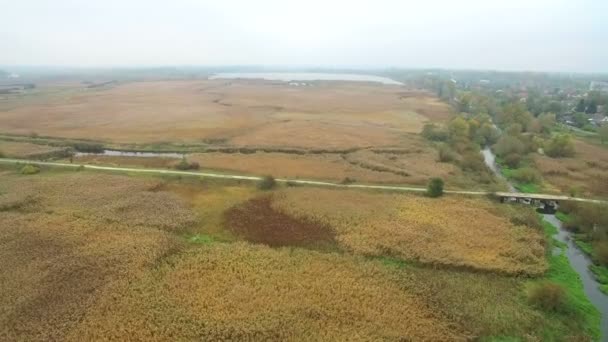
(520, 196)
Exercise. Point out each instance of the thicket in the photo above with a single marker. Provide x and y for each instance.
(185, 165)
(267, 183)
(88, 147)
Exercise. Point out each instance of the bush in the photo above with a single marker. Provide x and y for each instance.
(184, 165)
(446, 154)
(512, 160)
(601, 252)
(347, 180)
(560, 145)
(434, 133)
(472, 161)
(88, 147)
(2, 155)
(435, 187)
(30, 169)
(547, 296)
(526, 175)
(267, 183)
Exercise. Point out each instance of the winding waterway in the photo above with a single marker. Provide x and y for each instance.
(578, 259)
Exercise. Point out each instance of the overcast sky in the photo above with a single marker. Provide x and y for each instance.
(544, 35)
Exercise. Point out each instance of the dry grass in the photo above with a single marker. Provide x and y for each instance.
(586, 172)
(244, 292)
(25, 150)
(327, 115)
(150, 162)
(67, 239)
(458, 232)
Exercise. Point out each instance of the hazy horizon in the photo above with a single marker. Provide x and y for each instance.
(543, 36)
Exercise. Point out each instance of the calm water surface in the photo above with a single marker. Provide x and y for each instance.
(304, 76)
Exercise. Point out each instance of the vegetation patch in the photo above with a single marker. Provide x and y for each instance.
(450, 231)
(256, 221)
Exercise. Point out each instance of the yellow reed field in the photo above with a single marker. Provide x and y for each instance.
(454, 231)
(246, 292)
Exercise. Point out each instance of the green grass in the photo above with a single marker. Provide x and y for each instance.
(562, 216)
(578, 310)
(202, 239)
(523, 187)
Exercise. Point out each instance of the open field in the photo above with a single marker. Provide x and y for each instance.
(92, 256)
(586, 173)
(248, 113)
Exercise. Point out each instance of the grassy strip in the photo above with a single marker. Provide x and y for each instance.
(562, 216)
(578, 311)
(599, 271)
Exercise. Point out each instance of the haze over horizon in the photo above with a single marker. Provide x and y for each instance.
(472, 34)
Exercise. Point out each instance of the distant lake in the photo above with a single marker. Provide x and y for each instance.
(304, 76)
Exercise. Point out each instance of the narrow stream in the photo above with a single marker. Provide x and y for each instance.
(578, 259)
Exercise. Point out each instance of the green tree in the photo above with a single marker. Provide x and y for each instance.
(561, 145)
(435, 187)
(592, 107)
(580, 106)
(603, 132)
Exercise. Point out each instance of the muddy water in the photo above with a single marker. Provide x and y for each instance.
(580, 261)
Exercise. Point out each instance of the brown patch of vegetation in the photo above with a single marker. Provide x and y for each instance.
(585, 174)
(256, 221)
(453, 231)
(150, 162)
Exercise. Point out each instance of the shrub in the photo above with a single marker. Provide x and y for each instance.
(446, 154)
(267, 183)
(512, 160)
(184, 165)
(526, 175)
(435, 187)
(560, 145)
(347, 180)
(88, 147)
(601, 252)
(472, 161)
(30, 169)
(547, 296)
(2, 155)
(434, 133)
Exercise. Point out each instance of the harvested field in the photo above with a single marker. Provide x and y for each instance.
(26, 150)
(256, 221)
(452, 231)
(325, 115)
(586, 173)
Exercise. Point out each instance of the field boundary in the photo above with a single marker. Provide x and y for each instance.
(258, 178)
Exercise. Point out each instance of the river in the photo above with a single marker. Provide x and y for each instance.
(578, 259)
